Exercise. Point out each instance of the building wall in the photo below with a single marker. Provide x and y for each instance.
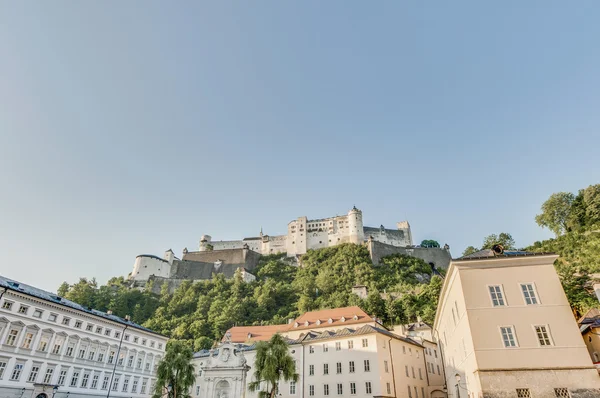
(438, 256)
(591, 338)
(147, 265)
(143, 349)
(469, 325)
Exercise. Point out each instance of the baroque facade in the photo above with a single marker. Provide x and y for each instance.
(53, 347)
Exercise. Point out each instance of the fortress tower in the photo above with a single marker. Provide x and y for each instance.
(355, 222)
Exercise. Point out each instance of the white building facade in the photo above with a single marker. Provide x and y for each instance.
(52, 347)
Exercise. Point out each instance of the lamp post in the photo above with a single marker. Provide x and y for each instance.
(54, 390)
(117, 357)
(457, 376)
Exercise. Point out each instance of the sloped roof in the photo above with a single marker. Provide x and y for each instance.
(243, 334)
(348, 332)
(16, 286)
(489, 253)
(338, 316)
(589, 316)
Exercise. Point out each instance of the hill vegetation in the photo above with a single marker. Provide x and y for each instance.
(400, 290)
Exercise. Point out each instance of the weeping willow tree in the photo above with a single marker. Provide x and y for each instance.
(273, 363)
(175, 373)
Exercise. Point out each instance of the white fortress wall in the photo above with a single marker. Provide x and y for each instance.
(146, 265)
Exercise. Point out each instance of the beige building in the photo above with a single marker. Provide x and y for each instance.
(506, 329)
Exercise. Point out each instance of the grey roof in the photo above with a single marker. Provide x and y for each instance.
(398, 233)
(10, 284)
(241, 347)
(489, 253)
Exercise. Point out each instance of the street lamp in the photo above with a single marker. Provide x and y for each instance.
(54, 390)
(457, 376)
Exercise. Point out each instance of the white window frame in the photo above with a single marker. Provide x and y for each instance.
(489, 293)
(547, 331)
(537, 296)
(514, 334)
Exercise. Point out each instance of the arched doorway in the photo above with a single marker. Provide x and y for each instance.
(438, 394)
(42, 395)
(222, 389)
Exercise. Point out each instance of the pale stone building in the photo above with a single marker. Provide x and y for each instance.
(340, 352)
(53, 347)
(506, 329)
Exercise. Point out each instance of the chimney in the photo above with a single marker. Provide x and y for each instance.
(597, 290)
(290, 321)
(109, 312)
(127, 318)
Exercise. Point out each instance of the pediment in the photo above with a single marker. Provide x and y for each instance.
(63, 334)
(4, 319)
(33, 327)
(48, 330)
(17, 324)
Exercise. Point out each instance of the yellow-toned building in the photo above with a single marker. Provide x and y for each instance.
(505, 329)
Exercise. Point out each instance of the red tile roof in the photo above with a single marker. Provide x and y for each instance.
(333, 317)
(309, 320)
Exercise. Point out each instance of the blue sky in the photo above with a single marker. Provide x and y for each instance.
(130, 128)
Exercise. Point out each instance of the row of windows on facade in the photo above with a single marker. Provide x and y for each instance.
(13, 335)
(365, 344)
(559, 392)
(85, 382)
(66, 321)
(509, 335)
(353, 391)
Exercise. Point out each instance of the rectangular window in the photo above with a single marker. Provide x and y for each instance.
(57, 347)
(409, 392)
(311, 349)
(89, 327)
(37, 313)
(388, 388)
(292, 387)
(406, 369)
(351, 366)
(95, 382)
(422, 392)
(2, 368)
(125, 385)
(151, 344)
(385, 367)
(508, 337)
(496, 295)
(311, 370)
(368, 387)
(35, 369)
(48, 376)
(543, 335)
(404, 349)
(416, 393)
(339, 368)
(100, 356)
(325, 368)
(99, 329)
(136, 339)
(7, 305)
(117, 335)
(412, 368)
(85, 379)
(126, 337)
(529, 293)
(27, 340)
(43, 345)
(52, 317)
(562, 393)
(325, 348)
(311, 390)
(91, 354)
(111, 357)
(105, 382)
(523, 393)
(82, 353)
(61, 377)
(143, 388)
(23, 309)
(139, 363)
(107, 332)
(144, 341)
(325, 389)
(365, 342)
(438, 368)
(420, 374)
(74, 379)
(121, 359)
(435, 353)
(338, 345)
(12, 337)
(352, 388)
(350, 344)
(78, 324)
(130, 361)
(115, 385)
(367, 365)
(66, 321)
(70, 349)
(340, 388)
(16, 374)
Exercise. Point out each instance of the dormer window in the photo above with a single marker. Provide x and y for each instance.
(355, 317)
(249, 335)
(343, 319)
(306, 323)
(295, 324)
(318, 321)
(330, 320)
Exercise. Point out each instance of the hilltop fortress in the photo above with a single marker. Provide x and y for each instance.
(214, 257)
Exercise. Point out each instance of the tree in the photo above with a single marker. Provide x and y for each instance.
(556, 212)
(175, 373)
(273, 362)
(470, 250)
(504, 239)
(429, 243)
(63, 289)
